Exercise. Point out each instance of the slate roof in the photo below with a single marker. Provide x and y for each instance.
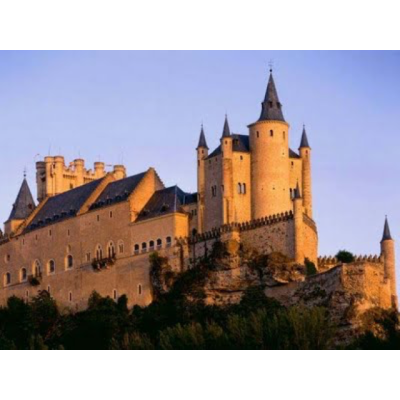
(226, 131)
(117, 191)
(202, 139)
(304, 139)
(24, 203)
(63, 206)
(386, 231)
(293, 154)
(271, 107)
(163, 202)
(190, 198)
(240, 143)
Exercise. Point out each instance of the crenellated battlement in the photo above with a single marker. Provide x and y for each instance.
(244, 226)
(331, 260)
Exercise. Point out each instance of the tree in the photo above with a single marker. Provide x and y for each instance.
(345, 256)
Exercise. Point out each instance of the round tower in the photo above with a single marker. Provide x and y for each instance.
(298, 226)
(270, 167)
(79, 166)
(99, 169)
(119, 172)
(227, 174)
(305, 154)
(389, 261)
(59, 165)
(202, 154)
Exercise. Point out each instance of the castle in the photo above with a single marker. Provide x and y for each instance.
(94, 229)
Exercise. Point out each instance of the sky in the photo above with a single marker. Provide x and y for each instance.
(144, 109)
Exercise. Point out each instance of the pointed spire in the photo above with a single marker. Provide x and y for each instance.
(202, 139)
(386, 231)
(24, 204)
(297, 193)
(304, 139)
(226, 132)
(271, 106)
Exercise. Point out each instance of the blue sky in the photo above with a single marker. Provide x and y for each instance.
(145, 109)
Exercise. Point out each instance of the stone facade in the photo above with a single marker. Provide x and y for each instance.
(95, 229)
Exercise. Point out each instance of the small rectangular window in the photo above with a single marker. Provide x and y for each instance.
(111, 214)
(50, 232)
(98, 218)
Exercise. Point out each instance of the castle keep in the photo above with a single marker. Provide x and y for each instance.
(94, 229)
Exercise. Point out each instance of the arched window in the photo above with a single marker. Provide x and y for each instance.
(136, 249)
(239, 188)
(151, 245)
(23, 275)
(51, 268)
(111, 250)
(258, 134)
(7, 279)
(115, 294)
(169, 241)
(121, 247)
(244, 188)
(144, 247)
(99, 252)
(139, 289)
(159, 244)
(70, 261)
(37, 269)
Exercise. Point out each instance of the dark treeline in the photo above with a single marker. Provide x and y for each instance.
(179, 319)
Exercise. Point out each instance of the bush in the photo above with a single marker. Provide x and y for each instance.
(310, 267)
(345, 256)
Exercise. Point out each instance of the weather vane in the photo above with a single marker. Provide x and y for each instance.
(25, 172)
(271, 65)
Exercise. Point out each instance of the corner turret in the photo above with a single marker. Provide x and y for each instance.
(22, 208)
(305, 155)
(389, 261)
(202, 154)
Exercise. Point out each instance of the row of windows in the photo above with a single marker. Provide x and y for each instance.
(271, 133)
(152, 245)
(37, 270)
(69, 260)
(241, 189)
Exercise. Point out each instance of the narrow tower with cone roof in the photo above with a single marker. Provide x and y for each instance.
(305, 154)
(389, 261)
(202, 154)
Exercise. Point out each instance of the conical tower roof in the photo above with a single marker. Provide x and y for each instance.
(271, 106)
(304, 139)
(202, 139)
(386, 231)
(226, 132)
(24, 203)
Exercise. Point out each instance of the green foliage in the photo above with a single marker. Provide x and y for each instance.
(384, 333)
(345, 256)
(310, 267)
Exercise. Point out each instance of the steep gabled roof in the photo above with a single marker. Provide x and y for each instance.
(118, 191)
(63, 206)
(271, 107)
(24, 203)
(163, 202)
